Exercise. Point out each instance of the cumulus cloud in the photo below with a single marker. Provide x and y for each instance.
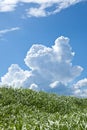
(54, 62)
(15, 76)
(80, 88)
(2, 32)
(42, 8)
(50, 68)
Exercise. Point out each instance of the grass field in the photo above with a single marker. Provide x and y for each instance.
(24, 109)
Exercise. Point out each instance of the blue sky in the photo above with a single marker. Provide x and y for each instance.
(30, 28)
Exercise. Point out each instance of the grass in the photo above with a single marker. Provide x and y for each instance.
(24, 109)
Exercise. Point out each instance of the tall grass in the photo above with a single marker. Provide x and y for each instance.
(24, 109)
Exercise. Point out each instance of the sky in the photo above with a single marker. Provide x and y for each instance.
(43, 45)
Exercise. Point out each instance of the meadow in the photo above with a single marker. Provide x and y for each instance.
(24, 109)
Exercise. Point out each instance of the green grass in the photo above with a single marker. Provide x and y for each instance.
(24, 109)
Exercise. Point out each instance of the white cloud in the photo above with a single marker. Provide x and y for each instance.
(81, 83)
(33, 86)
(15, 76)
(54, 62)
(50, 68)
(43, 6)
(80, 88)
(60, 88)
(54, 84)
(2, 32)
(36, 12)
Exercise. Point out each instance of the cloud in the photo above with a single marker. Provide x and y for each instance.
(36, 12)
(41, 8)
(54, 62)
(60, 88)
(80, 88)
(15, 76)
(2, 32)
(50, 68)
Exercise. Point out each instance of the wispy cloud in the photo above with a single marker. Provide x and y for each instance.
(4, 31)
(50, 69)
(43, 6)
